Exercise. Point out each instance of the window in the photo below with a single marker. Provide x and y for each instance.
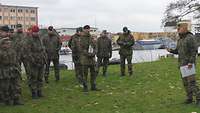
(27, 11)
(20, 10)
(12, 10)
(20, 18)
(33, 11)
(0, 17)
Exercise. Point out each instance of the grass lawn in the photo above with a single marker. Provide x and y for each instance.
(154, 88)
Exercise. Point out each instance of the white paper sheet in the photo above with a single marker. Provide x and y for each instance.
(185, 71)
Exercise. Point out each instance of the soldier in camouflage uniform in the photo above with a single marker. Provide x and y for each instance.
(126, 41)
(17, 39)
(186, 50)
(25, 51)
(37, 61)
(73, 44)
(9, 69)
(87, 59)
(52, 45)
(104, 51)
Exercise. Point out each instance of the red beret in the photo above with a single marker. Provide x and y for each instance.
(35, 28)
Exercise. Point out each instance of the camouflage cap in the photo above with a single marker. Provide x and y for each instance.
(11, 30)
(125, 28)
(50, 28)
(19, 25)
(104, 31)
(185, 23)
(86, 27)
(5, 28)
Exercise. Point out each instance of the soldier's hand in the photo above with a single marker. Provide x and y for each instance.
(189, 65)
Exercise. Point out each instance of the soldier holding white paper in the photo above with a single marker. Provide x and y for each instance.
(187, 51)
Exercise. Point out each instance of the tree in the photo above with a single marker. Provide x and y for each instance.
(175, 11)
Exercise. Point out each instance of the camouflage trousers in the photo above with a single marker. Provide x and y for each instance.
(10, 89)
(84, 75)
(26, 64)
(102, 61)
(36, 77)
(122, 65)
(56, 68)
(191, 88)
(78, 68)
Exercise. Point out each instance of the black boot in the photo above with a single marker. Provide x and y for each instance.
(130, 73)
(57, 78)
(34, 95)
(39, 92)
(17, 102)
(188, 101)
(104, 74)
(94, 88)
(85, 88)
(198, 102)
(8, 102)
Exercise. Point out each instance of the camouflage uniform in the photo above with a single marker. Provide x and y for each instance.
(17, 39)
(126, 41)
(104, 52)
(73, 44)
(87, 60)
(25, 54)
(10, 75)
(187, 51)
(19, 42)
(52, 45)
(37, 61)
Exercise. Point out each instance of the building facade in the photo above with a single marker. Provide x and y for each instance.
(13, 15)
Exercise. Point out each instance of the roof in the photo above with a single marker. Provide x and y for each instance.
(17, 6)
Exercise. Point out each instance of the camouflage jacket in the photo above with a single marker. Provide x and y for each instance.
(104, 47)
(52, 46)
(37, 54)
(17, 40)
(73, 44)
(9, 67)
(126, 41)
(86, 42)
(186, 49)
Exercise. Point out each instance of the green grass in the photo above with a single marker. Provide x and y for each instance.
(154, 88)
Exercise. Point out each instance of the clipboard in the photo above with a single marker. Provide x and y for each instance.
(185, 71)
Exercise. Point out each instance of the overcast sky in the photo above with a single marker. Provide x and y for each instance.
(138, 15)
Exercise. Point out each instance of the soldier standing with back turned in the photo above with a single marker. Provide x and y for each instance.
(126, 41)
(52, 45)
(73, 44)
(104, 51)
